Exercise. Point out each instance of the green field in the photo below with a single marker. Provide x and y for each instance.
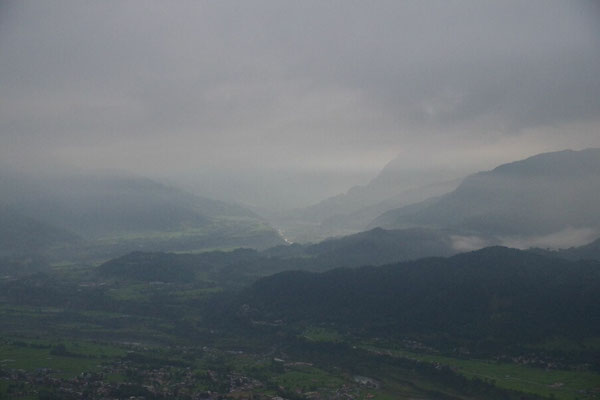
(132, 332)
(78, 357)
(560, 384)
(320, 334)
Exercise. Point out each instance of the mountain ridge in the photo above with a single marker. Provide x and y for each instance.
(115, 213)
(520, 198)
(476, 297)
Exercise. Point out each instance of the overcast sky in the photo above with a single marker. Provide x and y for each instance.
(295, 89)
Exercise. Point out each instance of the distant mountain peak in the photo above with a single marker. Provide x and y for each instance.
(564, 162)
(545, 194)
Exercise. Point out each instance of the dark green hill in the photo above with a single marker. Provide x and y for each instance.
(492, 297)
(215, 268)
(241, 266)
(165, 267)
(374, 247)
(590, 251)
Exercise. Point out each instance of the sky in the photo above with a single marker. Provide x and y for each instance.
(283, 103)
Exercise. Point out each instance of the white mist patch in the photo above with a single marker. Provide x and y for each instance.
(468, 243)
(563, 239)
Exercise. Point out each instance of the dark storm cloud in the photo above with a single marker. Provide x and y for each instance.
(529, 63)
(311, 84)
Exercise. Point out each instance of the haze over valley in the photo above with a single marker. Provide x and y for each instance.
(299, 200)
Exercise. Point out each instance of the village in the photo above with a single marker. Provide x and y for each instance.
(165, 383)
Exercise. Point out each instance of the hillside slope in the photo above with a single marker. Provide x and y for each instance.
(374, 247)
(543, 194)
(351, 212)
(116, 214)
(477, 297)
(590, 251)
(24, 236)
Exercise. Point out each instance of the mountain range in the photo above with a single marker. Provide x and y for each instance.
(590, 251)
(477, 298)
(548, 200)
(352, 211)
(374, 247)
(121, 211)
(542, 195)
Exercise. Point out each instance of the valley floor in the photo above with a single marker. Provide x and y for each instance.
(54, 345)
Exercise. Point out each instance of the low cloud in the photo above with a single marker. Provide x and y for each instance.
(468, 243)
(161, 87)
(563, 239)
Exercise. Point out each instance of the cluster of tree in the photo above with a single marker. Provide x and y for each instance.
(374, 247)
(491, 299)
(226, 269)
(242, 266)
(590, 251)
(362, 362)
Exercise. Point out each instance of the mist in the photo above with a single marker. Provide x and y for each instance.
(280, 105)
(310, 199)
(566, 238)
